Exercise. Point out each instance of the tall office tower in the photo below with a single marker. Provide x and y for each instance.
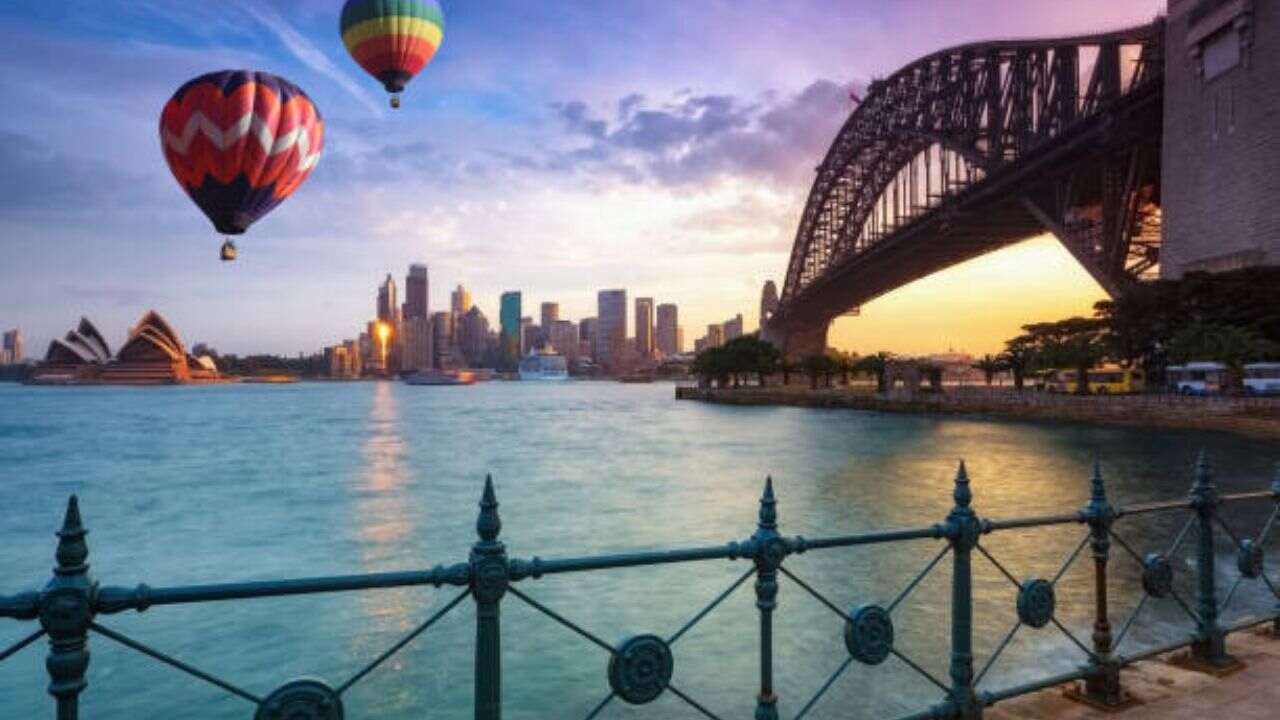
(733, 328)
(415, 292)
(354, 356)
(611, 329)
(472, 336)
(419, 344)
(564, 338)
(460, 301)
(587, 337)
(644, 327)
(12, 351)
(442, 333)
(388, 307)
(509, 341)
(667, 330)
(680, 339)
(530, 336)
(768, 302)
(550, 314)
(715, 336)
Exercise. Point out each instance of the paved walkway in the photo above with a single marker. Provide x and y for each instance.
(1170, 692)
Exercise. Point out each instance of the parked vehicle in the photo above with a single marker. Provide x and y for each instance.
(1105, 380)
(1262, 378)
(1198, 378)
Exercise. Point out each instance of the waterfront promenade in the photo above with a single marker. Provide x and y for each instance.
(1252, 417)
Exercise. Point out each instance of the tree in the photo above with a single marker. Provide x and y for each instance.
(818, 365)
(878, 365)
(742, 356)
(1230, 345)
(989, 365)
(1072, 343)
(786, 367)
(1019, 358)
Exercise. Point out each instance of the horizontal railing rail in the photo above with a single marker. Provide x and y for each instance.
(640, 669)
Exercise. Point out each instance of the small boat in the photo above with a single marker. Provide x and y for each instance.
(441, 377)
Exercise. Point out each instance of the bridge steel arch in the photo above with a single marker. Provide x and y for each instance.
(977, 147)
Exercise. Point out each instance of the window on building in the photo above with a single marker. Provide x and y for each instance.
(1221, 52)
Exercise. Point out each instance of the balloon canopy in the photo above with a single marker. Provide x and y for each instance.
(240, 142)
(392, 39)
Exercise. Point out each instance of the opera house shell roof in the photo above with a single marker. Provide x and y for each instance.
(153, 354)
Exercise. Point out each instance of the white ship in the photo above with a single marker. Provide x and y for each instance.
(544, 364)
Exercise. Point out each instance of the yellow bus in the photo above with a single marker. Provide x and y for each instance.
(1105, 380)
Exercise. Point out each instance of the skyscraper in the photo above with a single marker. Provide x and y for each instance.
(442, 332)
(563, 335)
(644, 326)
(667, 330)
(530, 335)
(715, 335)
(611, 329)
(11, 352)
(416, 337)
(550, 314)
(415, 292)
(388, 306)
(733, 328)
(587, 336)
(472, 335)
(460, 301)
(509, 319)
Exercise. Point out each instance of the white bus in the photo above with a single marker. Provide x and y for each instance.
(1197, 378)
(1262, 378)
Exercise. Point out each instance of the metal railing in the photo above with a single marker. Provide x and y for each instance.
(640, 669)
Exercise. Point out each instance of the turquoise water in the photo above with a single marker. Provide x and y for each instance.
(206, 484)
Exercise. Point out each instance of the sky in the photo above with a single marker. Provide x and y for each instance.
(557, 148)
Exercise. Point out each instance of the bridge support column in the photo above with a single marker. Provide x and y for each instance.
(796, 340)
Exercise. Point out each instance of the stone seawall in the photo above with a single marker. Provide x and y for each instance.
(1256, 417)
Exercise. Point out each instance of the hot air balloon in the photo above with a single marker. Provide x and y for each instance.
(240, 142)
(392, 39)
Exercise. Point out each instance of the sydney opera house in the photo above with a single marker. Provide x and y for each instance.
(153, 354)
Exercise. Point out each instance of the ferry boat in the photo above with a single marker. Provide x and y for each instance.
(544, 364)
(441, 377)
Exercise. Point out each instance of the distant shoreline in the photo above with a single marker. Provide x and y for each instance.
(1251, 417)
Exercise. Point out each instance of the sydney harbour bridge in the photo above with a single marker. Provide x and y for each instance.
(972, 149)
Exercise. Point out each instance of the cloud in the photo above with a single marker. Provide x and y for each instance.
(308, 54)
(698, 138)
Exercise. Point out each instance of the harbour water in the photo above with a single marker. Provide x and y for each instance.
(188, 485)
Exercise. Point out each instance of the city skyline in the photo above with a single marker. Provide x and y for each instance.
(684, 184)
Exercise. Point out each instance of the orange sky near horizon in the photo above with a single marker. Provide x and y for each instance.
(975, 306)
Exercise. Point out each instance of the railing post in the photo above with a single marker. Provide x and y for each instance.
(769, 550)
(963, 529)
(1102, 684)
(1209, 645)
(66, 609)
(1275, 495)
(489, 578)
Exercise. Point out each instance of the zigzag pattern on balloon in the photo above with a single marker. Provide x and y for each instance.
(247, 131)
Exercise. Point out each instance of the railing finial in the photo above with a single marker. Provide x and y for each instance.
(963, 495)
(72, 549)
(768, 507)
(488, 524)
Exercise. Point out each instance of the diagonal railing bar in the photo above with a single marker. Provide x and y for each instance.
(16, 647)
(692, 703)
(825, 686)
(919, 578)
(1270, 523)
(816, 595)
(1066, 564)
(1182, 535)
(169, 660)
(601, 706)
(1226, 601)
(403, 641)
(1267, 580)
(995, 655)
(1124, 629)
(1187, 608)
(561, 619)
(1235, 539)
(923, 673)
(1071, 636)
(710, 606)
(1009, 576)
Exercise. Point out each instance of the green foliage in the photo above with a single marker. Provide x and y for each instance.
(1230, 345)
(736, 359)
(989, 365)
(1072, 343)
(876, 364)
(1019, 358)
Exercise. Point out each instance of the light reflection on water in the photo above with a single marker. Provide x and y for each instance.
(188, 485)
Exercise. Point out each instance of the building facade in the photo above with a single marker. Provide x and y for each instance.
(667, 329)
(563, 336)
(419, 344)
(530, 335)
(472, 333)
(11, 351)
(460, 301)
(415, 292)
(611, 329)
(768, 301)
(1220, 168)
(731, 329)
(550, 314)
(388, 305)
(644, 327)
(442, 332)
(509, 338)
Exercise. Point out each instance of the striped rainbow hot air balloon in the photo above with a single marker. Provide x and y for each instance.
(392, 39)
